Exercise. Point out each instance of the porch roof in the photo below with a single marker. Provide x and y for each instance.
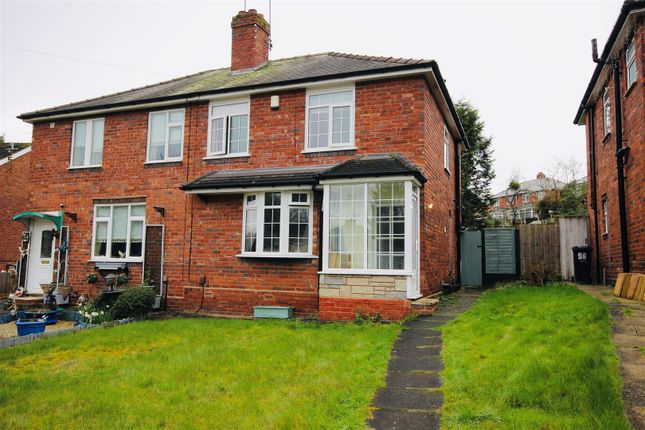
(375, 165)
(56, 219)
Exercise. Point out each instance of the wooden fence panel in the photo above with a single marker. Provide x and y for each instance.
(539, 251)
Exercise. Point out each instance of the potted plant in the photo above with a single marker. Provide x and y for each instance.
(121, 279)
(92, 278)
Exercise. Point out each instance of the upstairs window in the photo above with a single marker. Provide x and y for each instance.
(446, 149)
(330, 120)
(277, 224)
(630, 61)
(165, 136)
(606, 112)
(228, 129)
(525, 198)
(118, 232)
(87, 143)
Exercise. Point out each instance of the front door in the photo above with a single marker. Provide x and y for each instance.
(414, 290)
(40, 269)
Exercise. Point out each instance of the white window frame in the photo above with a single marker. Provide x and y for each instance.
(408, 183)
(169, 124)
(108, 247)
(629, 61)
(446, 149)
(352, 118)
(236, 108)
(605, 215)
(606, 111)
(89, 132)
(285, 204)
(525, 198)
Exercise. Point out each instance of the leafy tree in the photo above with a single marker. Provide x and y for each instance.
(476, 168)
(573, 199)
(512, 193)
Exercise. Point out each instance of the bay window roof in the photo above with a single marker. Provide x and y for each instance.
(377, 165)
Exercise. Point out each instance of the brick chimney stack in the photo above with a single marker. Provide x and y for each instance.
(251, 39)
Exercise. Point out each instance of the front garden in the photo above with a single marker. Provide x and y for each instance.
(197, 373)
(526, 357)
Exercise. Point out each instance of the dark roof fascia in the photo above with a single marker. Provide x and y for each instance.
(180, 97)
(626, 9)
(260, 183)
(451, 105)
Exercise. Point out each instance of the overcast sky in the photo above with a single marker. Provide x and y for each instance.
(525, 65)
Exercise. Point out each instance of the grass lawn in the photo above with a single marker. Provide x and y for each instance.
(197, 373)
(532, 358)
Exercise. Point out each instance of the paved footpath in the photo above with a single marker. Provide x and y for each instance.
(628, 327)
(412, 396)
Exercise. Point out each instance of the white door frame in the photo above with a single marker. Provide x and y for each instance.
(38, 265)
(414, 281)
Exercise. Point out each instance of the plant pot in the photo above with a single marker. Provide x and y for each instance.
(29, 326)
(64, 291)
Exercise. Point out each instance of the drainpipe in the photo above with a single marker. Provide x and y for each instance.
(594, 188)
(458, 212)
(621, 153)
(594, 196)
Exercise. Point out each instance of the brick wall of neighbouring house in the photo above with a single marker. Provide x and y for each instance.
(607, 185)
(203, 236)
(15, 189)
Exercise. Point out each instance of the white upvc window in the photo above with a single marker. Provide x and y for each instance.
(525, 197)
(228, 129)
(118, 232)
(446, 148)
(165, 136)
(87, 143)
(605, 215)
(330, 120)
(630, 61)
(277, 224)
(368, 226)
(606, 111)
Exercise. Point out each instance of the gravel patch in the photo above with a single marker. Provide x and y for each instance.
(9, 329)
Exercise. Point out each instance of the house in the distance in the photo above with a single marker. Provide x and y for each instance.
(327, 182)
(519, 206)
(15, 197)
(612, 113)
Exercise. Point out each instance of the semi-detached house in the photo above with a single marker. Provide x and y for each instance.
(325, 182)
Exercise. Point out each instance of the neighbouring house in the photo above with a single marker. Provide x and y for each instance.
(519, 205)
(612, 113)
(325, 182)
(15, 197)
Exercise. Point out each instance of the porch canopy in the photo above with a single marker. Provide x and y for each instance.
(248, 180)
(56, 218)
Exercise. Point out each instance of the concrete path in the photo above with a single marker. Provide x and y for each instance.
(412, 396)
(628, 324)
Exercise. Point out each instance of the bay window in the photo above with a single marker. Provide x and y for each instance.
(366, 225)
(118, 231)
(330, 120)
(277, 224)
(165, 136)
(87, 143)
(228, 129)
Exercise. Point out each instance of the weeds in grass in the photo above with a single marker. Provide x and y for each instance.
(627, 312)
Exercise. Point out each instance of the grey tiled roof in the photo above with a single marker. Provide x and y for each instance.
(8, 148)
(534, 185)
(376, 165)
(305, 68)
(366, 166)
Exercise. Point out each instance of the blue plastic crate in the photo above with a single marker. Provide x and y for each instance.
(26, 327)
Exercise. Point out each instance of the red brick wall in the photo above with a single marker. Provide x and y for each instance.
(204, 236)
(250, 44)
(345, 309)
(634, 137)
(15, 189)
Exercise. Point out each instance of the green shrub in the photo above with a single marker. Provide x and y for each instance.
(134, 302)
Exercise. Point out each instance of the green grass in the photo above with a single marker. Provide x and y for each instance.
(197, 373)
(532, 358)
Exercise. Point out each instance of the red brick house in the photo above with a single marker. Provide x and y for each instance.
(524, 200)
(324, 182)
(612, 113)
(15, 197)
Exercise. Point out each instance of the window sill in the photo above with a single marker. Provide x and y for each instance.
(176, 160)
(224, 156)
(279, 256)
(606, 138)
(372, 272)
(605, 235)
(447, 172)
(329, 149)
(84, 167)
(630, 89)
